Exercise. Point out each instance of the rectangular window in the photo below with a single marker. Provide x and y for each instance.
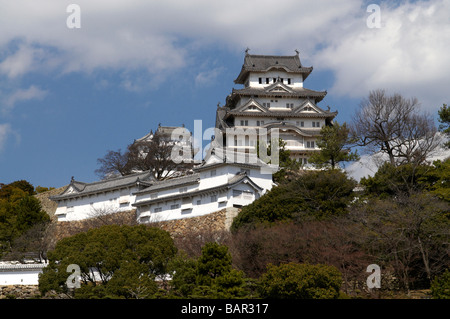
(183, 190)
(244, 122)
(174, 206)
(267, 80)
(289, 81)
(310, 144)
(260, 80)
(213, 173)
(213, 198)
(158, 209)
(199, 201)
(313, 124)
(302, 124)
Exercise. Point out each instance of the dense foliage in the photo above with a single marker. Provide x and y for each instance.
(20, 211)
(334, 143)
(127, 260)
(440, 288)
(211, 275)
(312, 195)
(301, 281)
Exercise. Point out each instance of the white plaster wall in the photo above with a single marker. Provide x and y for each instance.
(87, 206)
(206, 207)
(208, 181)
(296, 79)
(27, 277)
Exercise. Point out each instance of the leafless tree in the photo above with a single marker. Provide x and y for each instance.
(393, 125)
(154, 155)
(109, 215)
(114, 163)
(411, 233)
(34, 243)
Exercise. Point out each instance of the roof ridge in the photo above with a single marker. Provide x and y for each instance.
(118, 178)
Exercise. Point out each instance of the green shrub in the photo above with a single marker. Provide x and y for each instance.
(440, 287)
(301, 281)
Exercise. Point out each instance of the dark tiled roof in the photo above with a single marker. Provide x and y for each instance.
(295, 92)
(283, 114)
(263, 63)
(83, 189)
(218, 164)
(168, 183)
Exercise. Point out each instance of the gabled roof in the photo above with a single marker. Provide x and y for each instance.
(78, 189)
(309, 104)
(165, 131)
(264, 63)
(277, 87)
(251, 102)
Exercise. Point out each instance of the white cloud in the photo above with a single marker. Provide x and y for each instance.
(157, 35)
(21, 95)
(207, 78)
(5, 130)
(409, 53)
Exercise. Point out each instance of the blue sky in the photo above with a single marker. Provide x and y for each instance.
(69, 95)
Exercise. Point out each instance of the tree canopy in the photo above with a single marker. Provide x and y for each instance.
(313, 194)
(301, 281)
(126, 259)
(20, 211)
(444, 119)
(334, 143)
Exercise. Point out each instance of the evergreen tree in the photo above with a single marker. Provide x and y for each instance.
(334, 141)
(444, 119)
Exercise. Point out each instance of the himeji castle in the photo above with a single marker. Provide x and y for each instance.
(273, 99)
